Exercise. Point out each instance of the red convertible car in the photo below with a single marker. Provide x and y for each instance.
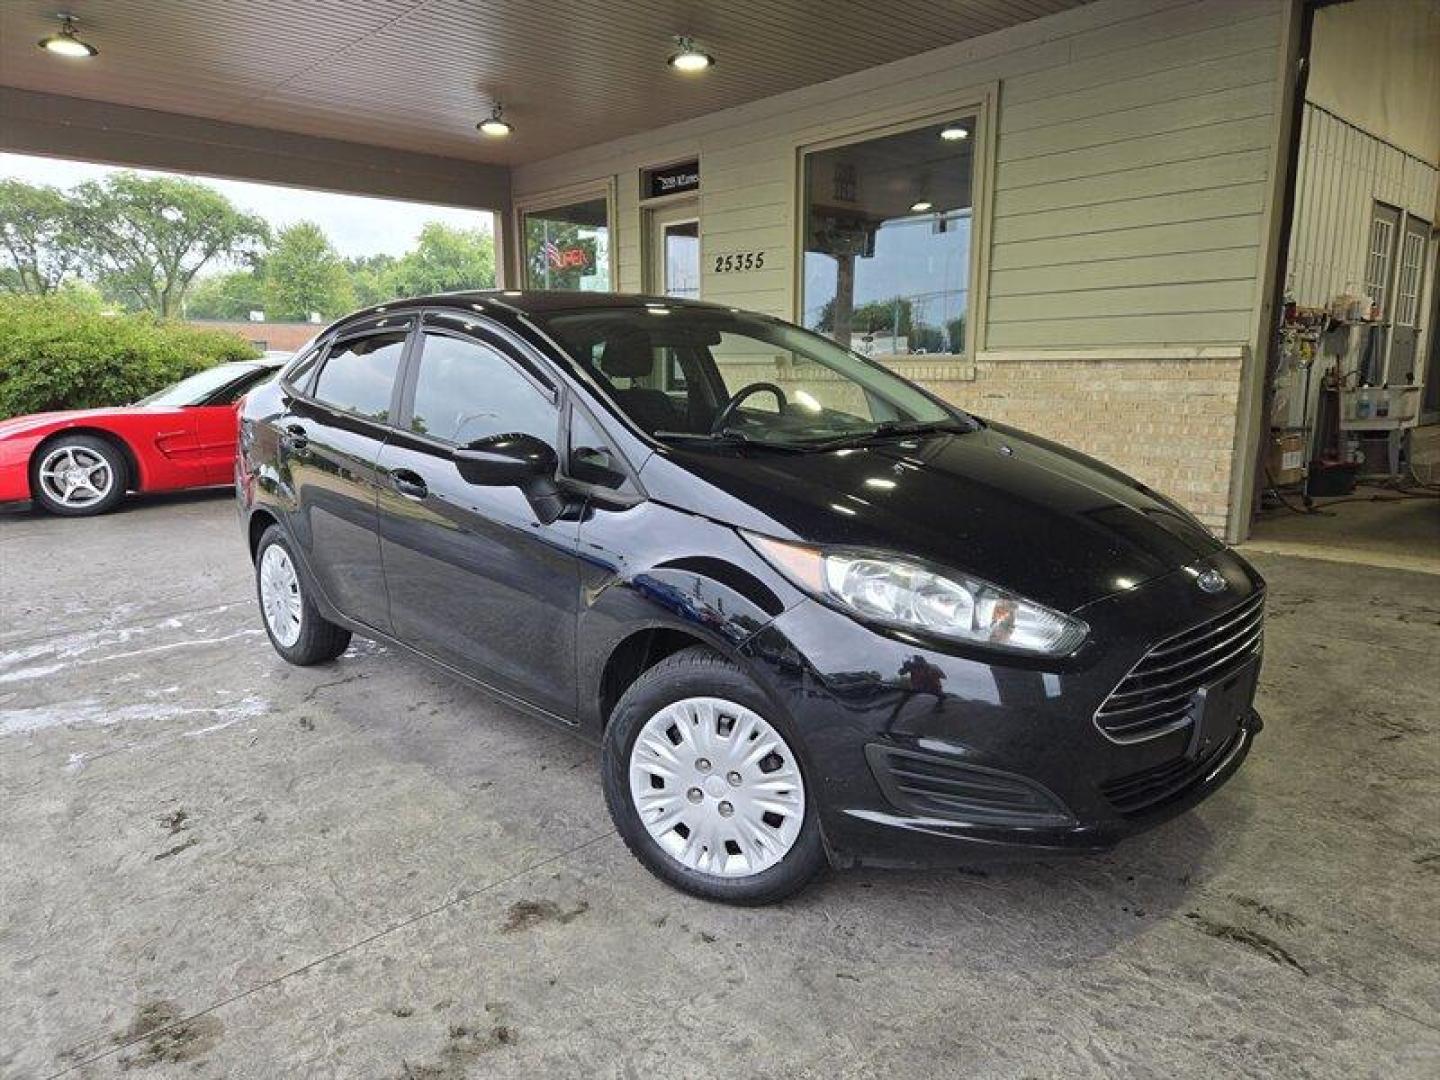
(84, 461)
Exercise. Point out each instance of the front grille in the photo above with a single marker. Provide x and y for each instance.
(937, 786)
(1155, 698)
(1139, 791)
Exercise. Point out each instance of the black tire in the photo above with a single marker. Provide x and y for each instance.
(319, 639)
(701, 672)
(89, 444)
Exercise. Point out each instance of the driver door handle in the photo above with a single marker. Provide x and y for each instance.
(296, 437)
(409, 484)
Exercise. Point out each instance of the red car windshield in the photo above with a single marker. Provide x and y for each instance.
(209, 386)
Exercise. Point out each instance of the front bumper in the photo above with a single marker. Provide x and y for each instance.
(876, 837)
(922, 756)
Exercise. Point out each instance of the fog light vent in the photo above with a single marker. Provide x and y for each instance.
(940, 786)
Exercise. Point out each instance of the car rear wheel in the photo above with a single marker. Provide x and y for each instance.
(705, 785)
(79, 475)
(294, 625)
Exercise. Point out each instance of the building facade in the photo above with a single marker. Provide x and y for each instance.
(1093, 250)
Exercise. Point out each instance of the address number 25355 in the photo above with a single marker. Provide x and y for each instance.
(735, 262)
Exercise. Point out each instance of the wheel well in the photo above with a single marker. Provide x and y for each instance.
(634, 656)
(132, 467)
(260, 520)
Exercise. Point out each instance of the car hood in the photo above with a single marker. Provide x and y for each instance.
(1019, 511)
(20, 425)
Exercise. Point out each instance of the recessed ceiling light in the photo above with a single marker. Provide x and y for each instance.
(495, 125)
(954, 133)
(921, 206)
(688, 57)
(65, 43)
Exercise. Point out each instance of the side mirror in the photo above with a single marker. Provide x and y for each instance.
(515, 460)
(511, 460)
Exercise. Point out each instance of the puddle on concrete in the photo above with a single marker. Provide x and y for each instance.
(91, 713)
(54, 654)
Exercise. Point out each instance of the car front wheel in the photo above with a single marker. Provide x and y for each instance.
(293, 623)
(79, 475)
(705, 785)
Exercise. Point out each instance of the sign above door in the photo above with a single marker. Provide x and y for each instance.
(670, 180)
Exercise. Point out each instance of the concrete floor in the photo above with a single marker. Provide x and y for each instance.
(215, 865)
(1375, 526)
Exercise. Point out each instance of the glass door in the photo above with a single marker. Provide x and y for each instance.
(1404, 313)
(674, 258)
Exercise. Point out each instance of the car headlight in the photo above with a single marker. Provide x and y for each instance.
(902, 593)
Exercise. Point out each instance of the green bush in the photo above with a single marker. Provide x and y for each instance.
(59, 354)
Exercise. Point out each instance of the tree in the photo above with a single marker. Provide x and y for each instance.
(146, 238)
(445, 259)
(887, 317)
(372, 277)
(231, 295)
(37, 238)
(955, 332)
(303, 275)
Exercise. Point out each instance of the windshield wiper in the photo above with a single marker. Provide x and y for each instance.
(892, 429)
(728, 437)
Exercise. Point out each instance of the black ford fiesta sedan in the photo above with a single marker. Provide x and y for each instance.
(811, 612)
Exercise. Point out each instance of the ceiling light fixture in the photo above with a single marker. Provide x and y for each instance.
(494, 125)
(688, 57)
(954, 133)
(65, 43)
(921, 206)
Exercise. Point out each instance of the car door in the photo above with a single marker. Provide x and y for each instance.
(475, 578)
(217, 422)
(330, 437)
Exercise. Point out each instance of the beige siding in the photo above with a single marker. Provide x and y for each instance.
(1130, 188)
(1343, 172)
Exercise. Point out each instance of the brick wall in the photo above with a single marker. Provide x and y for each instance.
(1167, 420)
(280, 336)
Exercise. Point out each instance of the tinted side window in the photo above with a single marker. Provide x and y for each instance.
(242, 386)
(359, 375)
(298, 373)
(466, 390)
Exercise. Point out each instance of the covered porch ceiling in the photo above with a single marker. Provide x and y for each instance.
(416, 75)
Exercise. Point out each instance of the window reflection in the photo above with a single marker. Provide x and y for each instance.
(568, 247)
(887, 241)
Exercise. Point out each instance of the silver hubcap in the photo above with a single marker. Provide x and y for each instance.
(280, 595)
(717, 787)
(76, 476)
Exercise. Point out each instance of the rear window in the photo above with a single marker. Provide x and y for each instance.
(359, 375)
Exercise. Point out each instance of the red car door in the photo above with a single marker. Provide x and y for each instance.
(175, 461)
(215, 428)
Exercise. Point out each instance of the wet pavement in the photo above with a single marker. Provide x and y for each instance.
(215, 865)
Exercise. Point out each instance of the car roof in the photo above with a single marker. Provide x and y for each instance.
(540, 301)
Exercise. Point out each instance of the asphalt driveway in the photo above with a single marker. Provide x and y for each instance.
(212, 864)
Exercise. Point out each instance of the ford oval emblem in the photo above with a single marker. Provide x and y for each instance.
(1212, 581)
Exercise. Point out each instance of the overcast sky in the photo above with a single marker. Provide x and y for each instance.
(355, 224)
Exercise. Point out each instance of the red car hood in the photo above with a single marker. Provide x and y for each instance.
(20, 425)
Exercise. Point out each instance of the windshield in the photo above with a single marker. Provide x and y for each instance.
(204, 385)
(688, 374)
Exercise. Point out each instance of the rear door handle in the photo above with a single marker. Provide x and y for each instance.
(296, 437)
(409, 484)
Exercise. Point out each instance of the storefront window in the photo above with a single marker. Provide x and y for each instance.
(568, 247)
(887, 240)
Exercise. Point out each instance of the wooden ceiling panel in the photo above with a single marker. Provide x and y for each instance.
(418, 74)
